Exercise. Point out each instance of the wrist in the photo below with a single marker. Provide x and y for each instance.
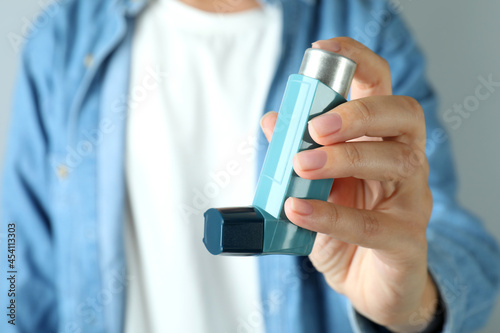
(425, 313)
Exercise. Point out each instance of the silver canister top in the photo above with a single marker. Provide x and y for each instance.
(332, 69)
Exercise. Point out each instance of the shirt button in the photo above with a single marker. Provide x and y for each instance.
(88, 60)
(62, 171)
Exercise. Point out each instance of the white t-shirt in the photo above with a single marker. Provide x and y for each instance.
(199, 82)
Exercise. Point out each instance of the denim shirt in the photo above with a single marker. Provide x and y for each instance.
(64, 185)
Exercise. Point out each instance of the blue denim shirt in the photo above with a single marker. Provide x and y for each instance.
(63, 184)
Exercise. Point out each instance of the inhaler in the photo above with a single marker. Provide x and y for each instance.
(323, 83)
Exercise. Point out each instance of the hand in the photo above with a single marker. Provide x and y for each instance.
(371, 244)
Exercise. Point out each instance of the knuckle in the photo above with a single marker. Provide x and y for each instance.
(411, 161)
(370, 225)
(415, 108)
(424, 162)
(353, 154)
(362, 110)
(333, 218)
(408, 162)
(385, 64)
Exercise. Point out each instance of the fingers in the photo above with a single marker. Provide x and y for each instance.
(267, 123)
(373, 75)
(398, 117)
(382, 161)
(366, 228)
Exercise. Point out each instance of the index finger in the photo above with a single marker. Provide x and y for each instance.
(372, 76)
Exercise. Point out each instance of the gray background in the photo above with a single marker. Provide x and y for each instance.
(461, 40)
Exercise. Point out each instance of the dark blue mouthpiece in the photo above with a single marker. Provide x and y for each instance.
(235, 231)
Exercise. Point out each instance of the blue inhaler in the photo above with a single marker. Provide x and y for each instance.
(323, 83)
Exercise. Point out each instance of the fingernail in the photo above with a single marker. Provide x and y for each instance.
(334, 46)
(301, 207)
(311, 159)
(326, 124)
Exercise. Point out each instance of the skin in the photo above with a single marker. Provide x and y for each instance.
(223, 6)
(371, 244)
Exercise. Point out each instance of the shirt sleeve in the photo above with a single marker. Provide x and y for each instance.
(25, 214)
(463, 258)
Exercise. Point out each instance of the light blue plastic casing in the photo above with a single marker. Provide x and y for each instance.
(304, 99)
